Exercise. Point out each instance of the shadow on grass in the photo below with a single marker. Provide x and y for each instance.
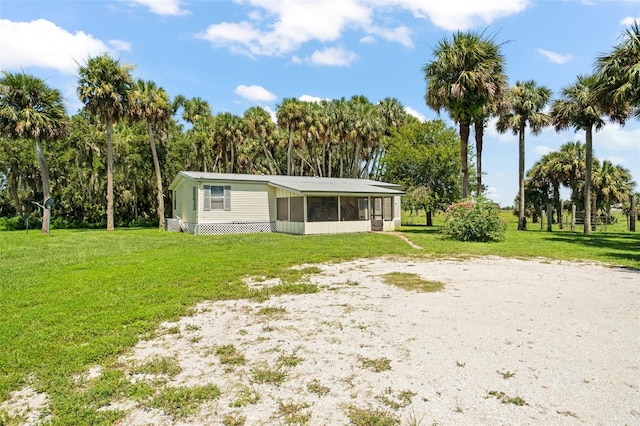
(420, 229)
(617, 245)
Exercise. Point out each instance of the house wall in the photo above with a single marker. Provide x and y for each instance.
(286, 226)
(397, 215)
(252, 210)
(337, 227)
(183, 209)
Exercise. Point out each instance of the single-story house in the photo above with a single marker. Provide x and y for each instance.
(223, 203)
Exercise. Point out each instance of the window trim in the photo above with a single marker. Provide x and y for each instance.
(207, 198)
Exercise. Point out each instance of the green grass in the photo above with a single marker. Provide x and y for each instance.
(80, 298)
(410, 281)
(616, 246)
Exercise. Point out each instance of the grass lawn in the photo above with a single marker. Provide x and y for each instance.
(614, 246)
(80, 298)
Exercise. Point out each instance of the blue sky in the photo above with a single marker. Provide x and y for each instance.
(237, 54)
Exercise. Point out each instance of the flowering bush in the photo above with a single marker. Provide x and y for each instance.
(474, 220)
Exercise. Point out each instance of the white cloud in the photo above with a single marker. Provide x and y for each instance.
(272, 113)
(238, 37)
(255, 93)
(542, 150)
(461, 14)
(333, 56)
(629, 20)
(278, 27)
(554, 57)
(309, 98)
(120, 45)
(613, 137)
(45, 45)
(163, 7)
(615, 159)
(368, 39)
(415, 113)
(399, 34)
(287, 25)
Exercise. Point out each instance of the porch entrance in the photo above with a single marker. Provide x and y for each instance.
(376, 214)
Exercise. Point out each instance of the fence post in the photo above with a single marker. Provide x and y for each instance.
(549, 217)
(573, 216)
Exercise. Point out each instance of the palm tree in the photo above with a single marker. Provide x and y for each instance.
(29, 109)
(465, 78)
(579, 108)
(227, 132)
(525, 102)
(193, 109)
(258, 124)
(104, 87)
(151, 104)
(612, 184)
(289, 115)
(618, 73)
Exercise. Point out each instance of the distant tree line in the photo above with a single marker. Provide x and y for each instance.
(130, 139)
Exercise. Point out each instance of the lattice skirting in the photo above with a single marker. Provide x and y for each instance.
(234, 228)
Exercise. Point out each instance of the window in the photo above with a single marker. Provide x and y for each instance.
(297, 209)
(322, 209)
(282, 209)
(217, 197)
(387, 208)
(353, 208)
(195, 198)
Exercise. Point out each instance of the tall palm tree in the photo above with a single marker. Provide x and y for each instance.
(151, 104)
(258, 124)
(525, 102)
(104, 87)
(227, 132)
(580, 108)
(618, 72)
(289, 115)
(464, 78)
(29, 109)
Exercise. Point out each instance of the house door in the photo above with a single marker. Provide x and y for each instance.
(376, 214)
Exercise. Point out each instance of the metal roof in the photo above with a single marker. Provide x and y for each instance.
(304, 184)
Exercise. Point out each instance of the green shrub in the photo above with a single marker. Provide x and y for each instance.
(474, 220)
(17, 223)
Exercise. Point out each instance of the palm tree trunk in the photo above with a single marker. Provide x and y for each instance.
(289, 152)
(464, 165)
(156, 166)
(46, 184)
(110, 226)
(587, 181)
(522, 222)
(479, 134)
(268, 156)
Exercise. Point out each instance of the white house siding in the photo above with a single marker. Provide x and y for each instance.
(337, 227)
(184, 205)
(250, 210)
(397, 215)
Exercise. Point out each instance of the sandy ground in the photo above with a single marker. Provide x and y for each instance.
(506, 342)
